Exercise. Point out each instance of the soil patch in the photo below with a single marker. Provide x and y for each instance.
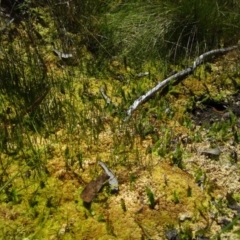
(208, 111)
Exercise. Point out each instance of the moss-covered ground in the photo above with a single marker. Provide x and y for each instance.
(53, 135)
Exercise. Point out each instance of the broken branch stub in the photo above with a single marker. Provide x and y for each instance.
(113, 182)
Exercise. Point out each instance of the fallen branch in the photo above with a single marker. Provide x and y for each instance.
(176, 76)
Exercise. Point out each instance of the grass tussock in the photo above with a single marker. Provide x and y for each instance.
(172, 30)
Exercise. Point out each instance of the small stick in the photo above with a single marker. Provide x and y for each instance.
(7, 24)
(62, 55)
(36, 103)
(106, 98)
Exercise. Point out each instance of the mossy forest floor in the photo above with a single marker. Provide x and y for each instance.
(168, 182)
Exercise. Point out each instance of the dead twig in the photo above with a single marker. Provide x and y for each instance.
(106, 98)
(36, 103)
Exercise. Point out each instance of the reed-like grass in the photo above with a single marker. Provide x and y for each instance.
(171, 30)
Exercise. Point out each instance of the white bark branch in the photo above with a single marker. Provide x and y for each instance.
(176, 76)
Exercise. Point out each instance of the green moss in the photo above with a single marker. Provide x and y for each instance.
(55, 125)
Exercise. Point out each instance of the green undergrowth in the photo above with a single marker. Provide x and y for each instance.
(56, 124)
